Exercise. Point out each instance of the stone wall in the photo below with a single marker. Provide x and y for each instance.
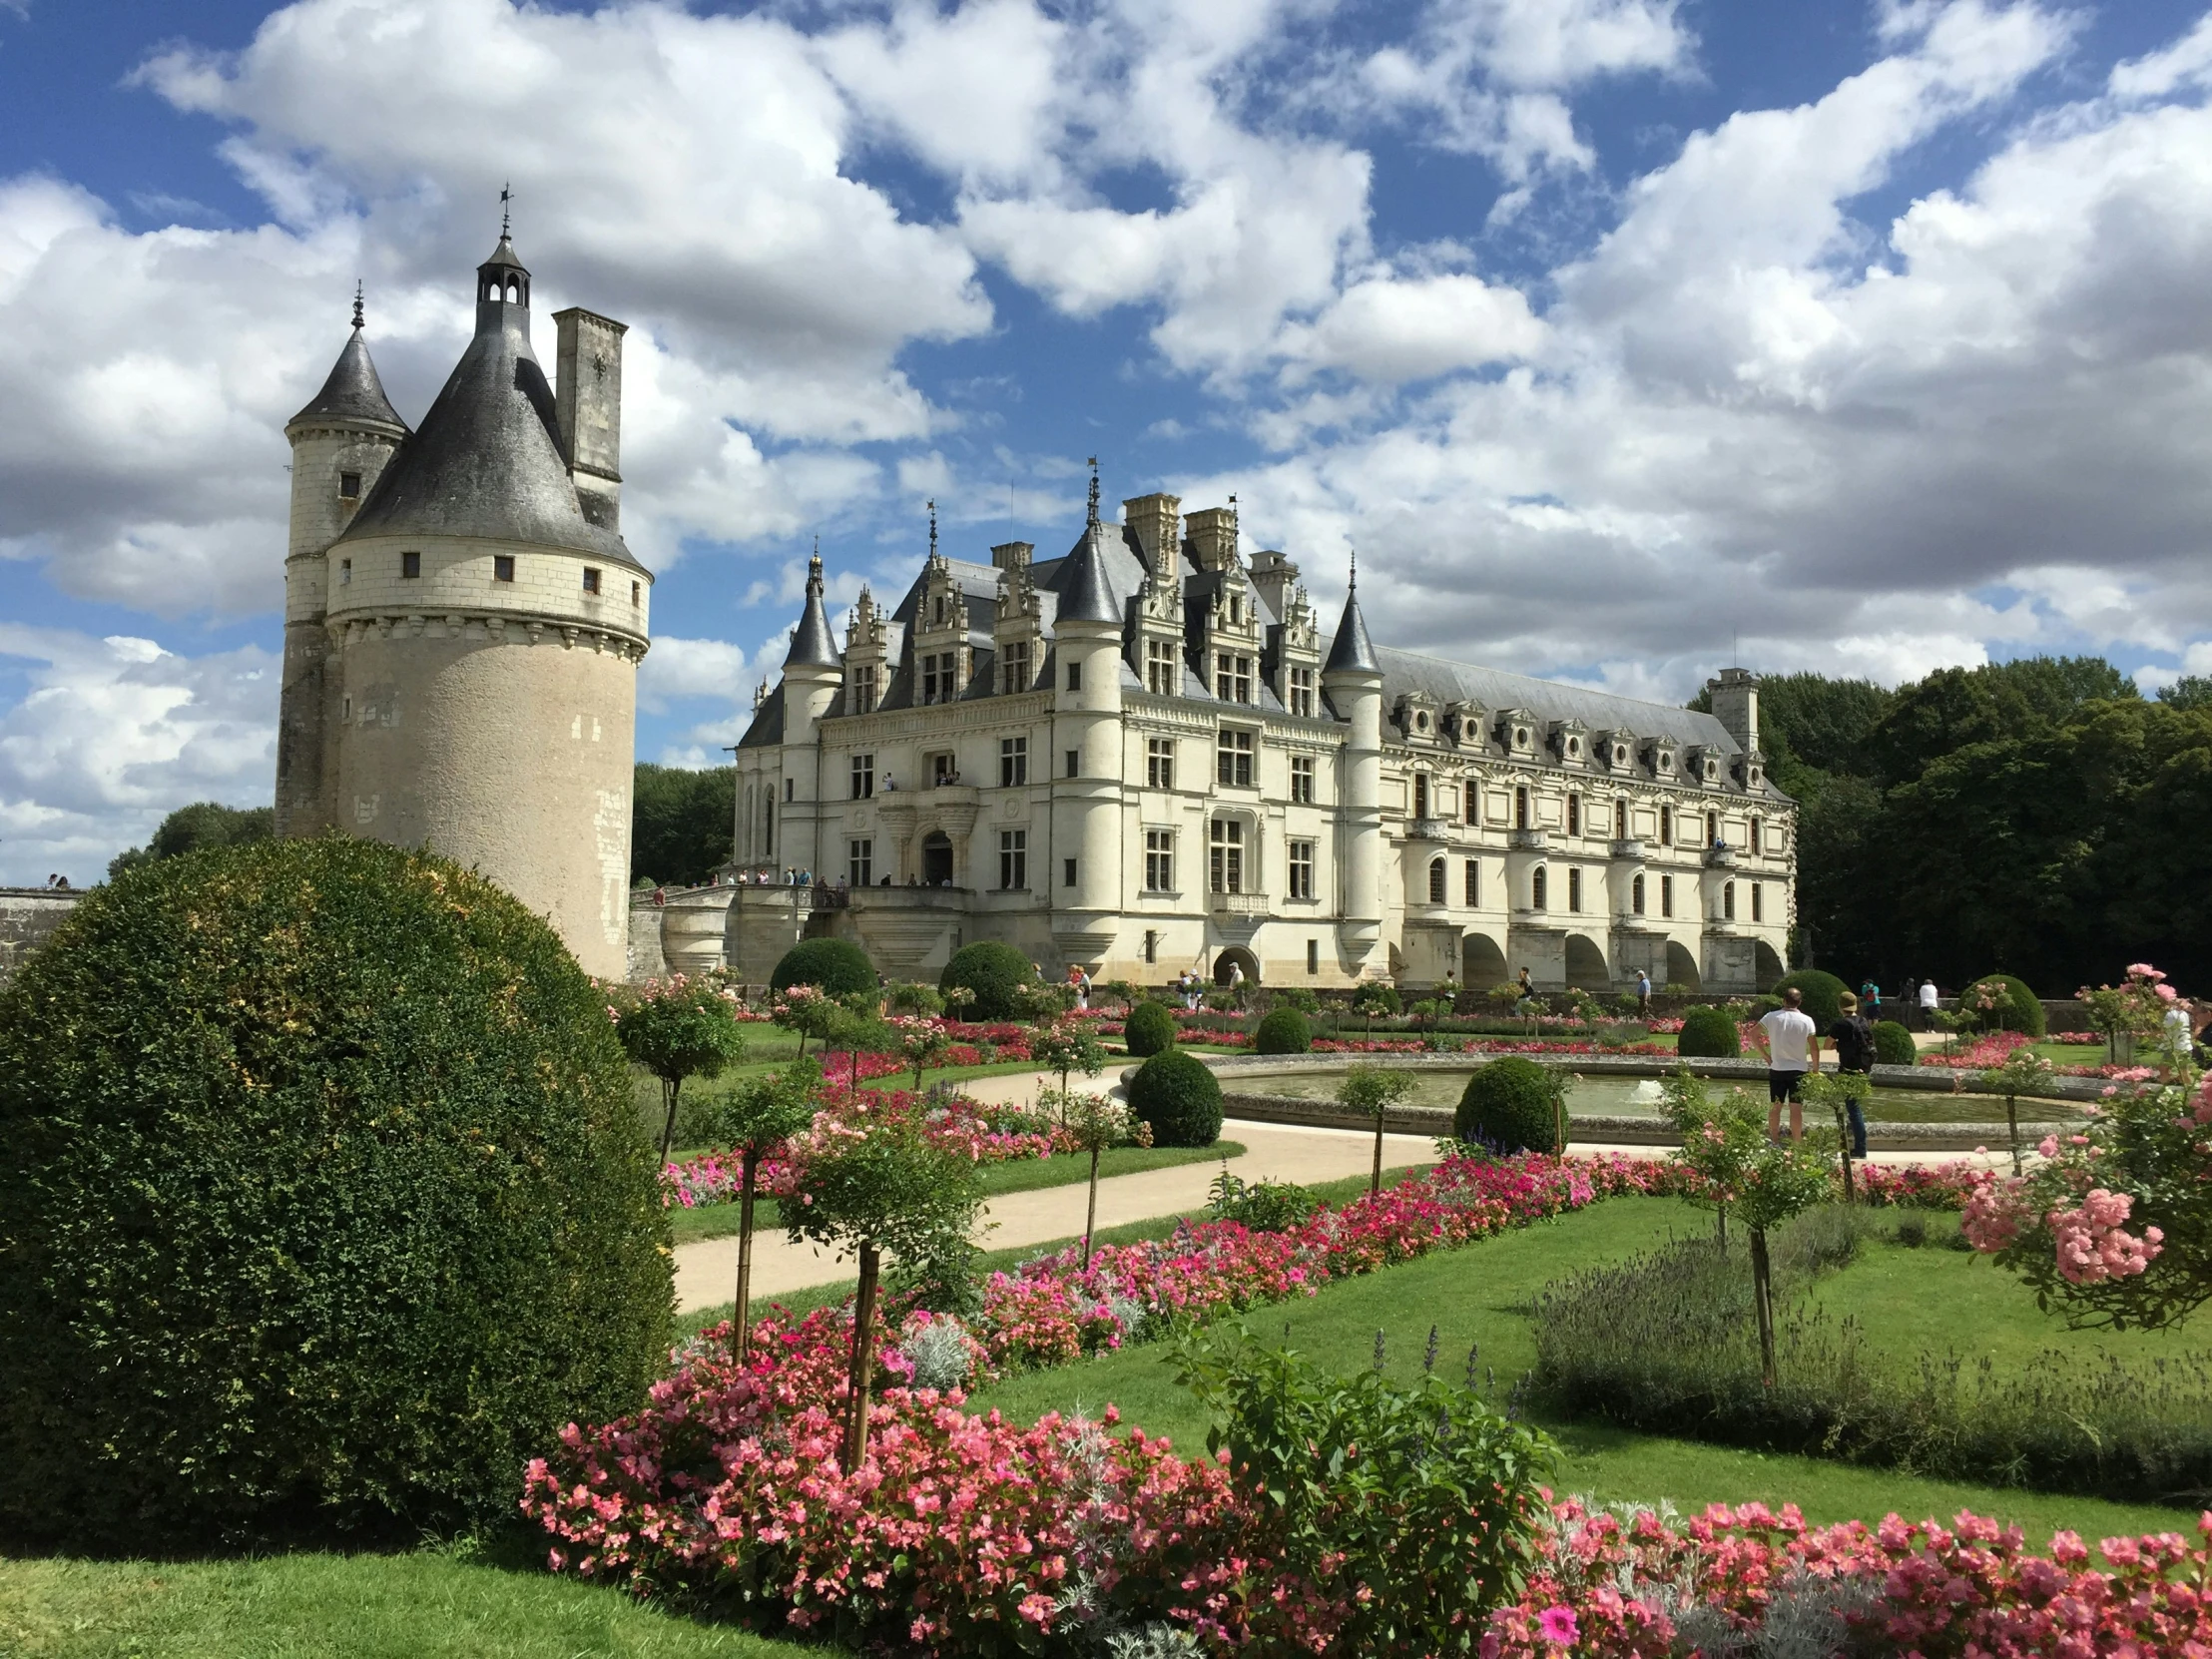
(27, 916)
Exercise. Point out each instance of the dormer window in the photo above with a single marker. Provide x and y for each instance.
(1421, 721)
(936, 612)
(1520, 736)
(1574, 747)
(1620, 754)
(1712, 768)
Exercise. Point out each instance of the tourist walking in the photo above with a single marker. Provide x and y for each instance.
(1793, 1045)
(1869, 998)
(1082, 983)
(1929, 1002)
(1236, 984)
(1852, 1035)
(1643, 994)
(2177, 1042)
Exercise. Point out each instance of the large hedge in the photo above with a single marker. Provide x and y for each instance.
(1894, 1045)
(325, 1204)
(1514, 1104)
(836, 966)
(1709, 1033)
(994, 972)
(1284, 1031)
(2026, 1012)
(1179, 1097)
(1821, 994)
(1149, 1030)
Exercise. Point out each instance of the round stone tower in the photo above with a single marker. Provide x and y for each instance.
(1352, 677)
(483, 623)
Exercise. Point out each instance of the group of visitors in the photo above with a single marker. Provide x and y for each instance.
(1791, 1040)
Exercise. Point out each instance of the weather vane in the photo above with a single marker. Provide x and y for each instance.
(932, 529)
(357, 292)
(1094, 490)
(506, 199)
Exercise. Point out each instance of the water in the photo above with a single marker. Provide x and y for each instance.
(1638, 1097)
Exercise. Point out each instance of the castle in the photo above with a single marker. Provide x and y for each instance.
(462, 622)
(1146, 757)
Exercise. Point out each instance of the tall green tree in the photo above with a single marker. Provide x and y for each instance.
(680, 823)
(189, 829)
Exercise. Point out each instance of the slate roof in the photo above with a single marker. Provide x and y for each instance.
(813, 645)
(1350, 649)
(352, 393)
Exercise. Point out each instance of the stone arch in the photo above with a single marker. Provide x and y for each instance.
(1235, 955)
(1482, 962)
(936, 859)
(1586, 970)
(1766, 965)
(1682, 967)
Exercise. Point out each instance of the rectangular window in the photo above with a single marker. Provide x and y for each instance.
(1302, 692)
(1520, 809)
(942, 770)
(346, 571)
(1013, 762)
(1159, 862)
(941, 676)
(864, 776)
(1232, 678)
(1574, 815)
(1312, 956)
(1151, 946)
(1666, 896)
(410, 565)
(1075, 763)
(791, 786)
(503, 567)
(1301, 870)
(349, 485)
(1067, 872)
(1015, 667)
(1574, 891)
(1758, 902)
(1636, 896)
(1075, 677)
(1728, 901)
(1301, 779)
(1473, 804)
(1473, 890)
(1158, 763)
(1013, 858)
(1620, 821)
(1225, 868)
(637, 593)
(860, 862)
(1436, 881)
(1666, 830)
(864, 689)
(1233, 760)
(1421, 795)
(1159, 667)
(591, 578)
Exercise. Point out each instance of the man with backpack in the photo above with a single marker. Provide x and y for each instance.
(1852, 1036)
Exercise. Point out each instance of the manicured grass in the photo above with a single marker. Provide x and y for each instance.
(1478, 1296)
(1018, 1175)
(428, 1604)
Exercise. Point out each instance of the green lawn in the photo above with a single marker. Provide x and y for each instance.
(1018, 1175)
(1480, 1295)
(429, 1604)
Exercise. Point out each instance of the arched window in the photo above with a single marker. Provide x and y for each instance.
(1574, 815)
(1537, 889)
(1636, 896)
(1728, 900)
(1421, 795)
(1574, 891)
(1435, 880)
(1520, 809)
(1758, 902)
(1620, 821)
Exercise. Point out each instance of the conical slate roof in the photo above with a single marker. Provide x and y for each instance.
(813, 645)
(1086, 587)
(352, 393)
(486, 462)
(1352, 652)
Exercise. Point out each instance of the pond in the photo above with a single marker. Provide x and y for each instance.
(1638, 1097)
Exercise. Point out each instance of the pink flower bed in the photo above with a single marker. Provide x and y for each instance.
(1610, 1589)
(1989, 1049)
(1919, 1186)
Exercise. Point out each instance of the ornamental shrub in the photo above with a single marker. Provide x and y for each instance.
(1821, 994)
(1513, 1105)
(995, 974)
(2024, 1011)
(326, 1205)
(1179, 1098)
(1149, 1030)
(1893, 1044)
(1295, 996)
(837, 967)
(1708, 1034)
(1284, 1031)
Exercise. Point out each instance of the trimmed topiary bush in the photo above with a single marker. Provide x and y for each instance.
(1179, 1097)
(2025, 1010)
(1708, 1034)
(1149, 1030)
(994, 972)
(837, 967)
(1284, 1031)
(1893, 1044)
(326, 1205)
(1821, 994)
(1513, 1105)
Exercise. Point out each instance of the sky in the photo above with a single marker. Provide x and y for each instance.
(1621, 339)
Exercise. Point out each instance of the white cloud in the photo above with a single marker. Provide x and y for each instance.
(2187, 62)
(113, 734)
(681, 667)
(1393, 330)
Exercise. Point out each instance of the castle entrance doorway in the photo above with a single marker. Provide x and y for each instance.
(936, 859)
(1236, 957)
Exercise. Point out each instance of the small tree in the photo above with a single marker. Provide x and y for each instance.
(958, 1000)
(921, 1042)
(756, 1120)
(1042, 1002)
(1836, 1090)
(808, 1010)
(1373, 1092)
(1069, 1046)
(1372, 998)
(1986, 1002)
(855, 1024)
(1099, 1124)
(679, 1028)
(2134, 1009)
(914, 999)
(2023, 1072)
(1425, 1014)
(875, 1188)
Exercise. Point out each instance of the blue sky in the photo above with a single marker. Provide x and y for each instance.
(1869, 336)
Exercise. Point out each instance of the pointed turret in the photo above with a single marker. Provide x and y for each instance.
(813, 645)
(1352, 652)
(352, 395)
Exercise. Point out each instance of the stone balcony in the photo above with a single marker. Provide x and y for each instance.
(1631, 850)
(1720, 855)
(1428, 829)
(1526, 840)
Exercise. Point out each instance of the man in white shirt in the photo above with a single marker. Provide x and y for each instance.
(2177, 1040)
(1928, 1004)
(1793, 1045)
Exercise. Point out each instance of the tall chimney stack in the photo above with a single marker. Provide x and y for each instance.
(587, 404)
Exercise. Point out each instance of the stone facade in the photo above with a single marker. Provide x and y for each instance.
(463, 623)
(1145, 757)
(27, 916)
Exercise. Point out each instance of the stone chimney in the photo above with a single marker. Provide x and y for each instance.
(1736, 706)
(1012, 555)
(1213, 537)
(587, 407)
(1156, 522)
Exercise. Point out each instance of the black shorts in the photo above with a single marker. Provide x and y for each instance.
(1783, 1085)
